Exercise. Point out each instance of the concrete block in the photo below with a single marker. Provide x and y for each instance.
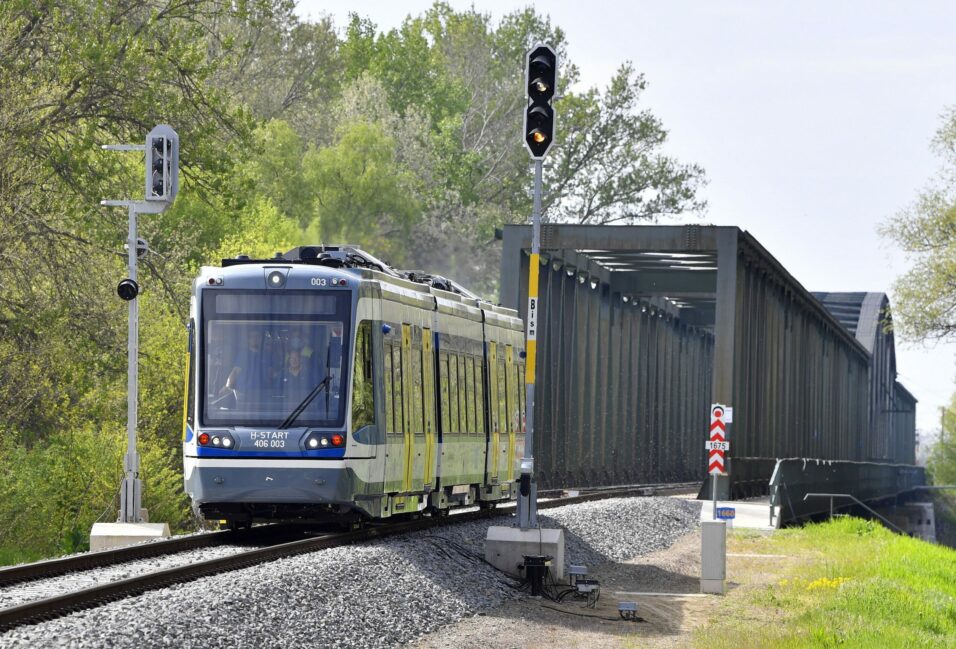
(116, 535)
(713, 557)
(506, 547)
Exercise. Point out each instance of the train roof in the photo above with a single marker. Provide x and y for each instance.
(369, 267)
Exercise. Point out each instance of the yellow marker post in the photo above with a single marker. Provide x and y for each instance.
(528, 491)
(532, 333)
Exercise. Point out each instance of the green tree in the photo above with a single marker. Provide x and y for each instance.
(465, 75)
(609, 167)
(925, 296)
(362, 194)
(279, 66)
(75, 74)
(942, 459)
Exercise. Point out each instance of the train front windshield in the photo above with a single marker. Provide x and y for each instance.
(274, 358)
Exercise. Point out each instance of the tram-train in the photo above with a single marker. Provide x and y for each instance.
(325, 384)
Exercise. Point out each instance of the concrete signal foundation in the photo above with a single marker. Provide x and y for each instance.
(115, 535)
(506, 547)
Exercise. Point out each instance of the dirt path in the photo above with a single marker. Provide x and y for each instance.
(669, 619)
(537, 623)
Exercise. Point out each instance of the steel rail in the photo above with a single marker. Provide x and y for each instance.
(102, 558)
(53, 607)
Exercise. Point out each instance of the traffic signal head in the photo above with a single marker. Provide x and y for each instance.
(542, 74)
(162, 164)
(539, 129)
(541, 77)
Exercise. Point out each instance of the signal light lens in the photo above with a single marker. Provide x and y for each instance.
(127, 289)
(227, 442)
(325, 441)
(538, 136)
(313, 442)
(203, 439)
(216, 441)
(337, 440)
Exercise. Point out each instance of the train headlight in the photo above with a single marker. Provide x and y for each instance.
(318, 441)
(218, 439)
(275, 279)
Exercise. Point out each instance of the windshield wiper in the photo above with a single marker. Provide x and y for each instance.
(299, 409)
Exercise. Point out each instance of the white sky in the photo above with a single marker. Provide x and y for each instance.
(812, 120)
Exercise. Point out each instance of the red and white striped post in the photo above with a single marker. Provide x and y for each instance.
(717, 447)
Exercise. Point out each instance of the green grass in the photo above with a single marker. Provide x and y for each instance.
(852, 584)
(10, 556)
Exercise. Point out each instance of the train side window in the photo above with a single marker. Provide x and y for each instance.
(479, 395)
(443, 387)
(470, 391)
(453, 393)
(389, 409)
(514, 421)
(363, 400)
(462, 391)
(399, 388)
(417, 405)
(502, 394)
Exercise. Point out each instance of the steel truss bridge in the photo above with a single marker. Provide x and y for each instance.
(641, 328)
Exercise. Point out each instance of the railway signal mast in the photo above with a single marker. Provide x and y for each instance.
(161, 151)
(541, 80)
(507, 547)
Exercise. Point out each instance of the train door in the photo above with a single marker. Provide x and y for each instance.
(493, 421)
(410, 384)
(394, 417)
(511, 390)
(501, 448)
(428, 384)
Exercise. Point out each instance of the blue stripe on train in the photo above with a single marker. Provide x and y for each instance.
(203, 451)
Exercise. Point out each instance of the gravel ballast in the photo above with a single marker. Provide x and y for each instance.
(16, 594)
(379, 594)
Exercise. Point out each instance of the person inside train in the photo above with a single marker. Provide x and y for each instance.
(248, 366)
(296, 379)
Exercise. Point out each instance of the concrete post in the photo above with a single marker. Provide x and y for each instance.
(713, 557)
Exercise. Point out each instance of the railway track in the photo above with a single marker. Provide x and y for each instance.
(273, 538)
